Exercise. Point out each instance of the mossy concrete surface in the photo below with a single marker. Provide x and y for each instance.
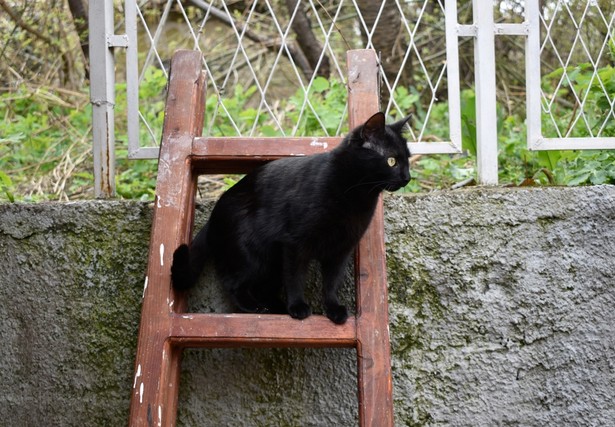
(502, 309)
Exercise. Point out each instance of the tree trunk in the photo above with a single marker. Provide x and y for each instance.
(306, 39)
(80, 19)
(294, 52)
(388, 37)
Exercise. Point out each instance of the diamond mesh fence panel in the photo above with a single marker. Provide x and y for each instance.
(578, 78)
(277, 67)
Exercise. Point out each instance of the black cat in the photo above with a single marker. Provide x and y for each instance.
(265, 230)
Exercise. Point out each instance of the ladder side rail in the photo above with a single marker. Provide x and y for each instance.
(154, 395)
(373, 348)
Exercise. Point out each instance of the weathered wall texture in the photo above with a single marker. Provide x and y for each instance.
(502, 307)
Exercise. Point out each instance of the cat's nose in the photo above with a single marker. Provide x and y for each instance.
(405, 175)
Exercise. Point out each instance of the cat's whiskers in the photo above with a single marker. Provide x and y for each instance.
(375, 183)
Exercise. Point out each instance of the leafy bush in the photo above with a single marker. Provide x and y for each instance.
(597, 93)
(326, 103)
(44, 144)
(579, 83)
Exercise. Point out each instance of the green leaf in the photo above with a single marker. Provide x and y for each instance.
(5, 184)
(5, 180)
(599, 176)
(549, 158)
(320, 84)
(579, 179)
(269, 130)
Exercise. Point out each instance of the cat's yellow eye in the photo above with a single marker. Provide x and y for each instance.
(391, 161)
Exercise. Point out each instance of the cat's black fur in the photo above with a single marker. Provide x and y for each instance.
(265, 230)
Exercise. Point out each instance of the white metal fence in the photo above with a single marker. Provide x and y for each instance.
(589, 20)
(261, 83)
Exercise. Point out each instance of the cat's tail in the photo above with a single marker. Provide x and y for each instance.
(188, 261)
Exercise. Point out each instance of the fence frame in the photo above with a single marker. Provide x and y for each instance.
(102, 95)
(535, 139)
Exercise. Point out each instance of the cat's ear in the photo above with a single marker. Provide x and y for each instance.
(373, 127)
(398, 126)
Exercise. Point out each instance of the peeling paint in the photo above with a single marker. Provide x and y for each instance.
(162, 254)
(137, 375)
(159, 416)
(141, 393)
(145, 286)
(319, 144)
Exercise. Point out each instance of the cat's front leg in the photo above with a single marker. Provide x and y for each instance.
(295, 269)
(333, 271)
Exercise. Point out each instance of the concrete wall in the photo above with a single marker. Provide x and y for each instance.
(502, 306)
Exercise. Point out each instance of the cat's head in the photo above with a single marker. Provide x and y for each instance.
(386, 150)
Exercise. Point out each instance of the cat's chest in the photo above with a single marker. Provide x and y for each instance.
(337, 229)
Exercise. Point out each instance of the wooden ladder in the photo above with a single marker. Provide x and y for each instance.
(165, 328)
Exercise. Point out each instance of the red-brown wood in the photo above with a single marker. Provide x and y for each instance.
(154, 396)
(241, 154)
(373, 348)
(165, 329)
(254, 330)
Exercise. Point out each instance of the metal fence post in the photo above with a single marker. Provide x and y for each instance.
(486, 114)
(102, 96)
(532, 74)
(132, 80)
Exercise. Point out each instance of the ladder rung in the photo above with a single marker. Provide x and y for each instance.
(237, 154)
(256, 330)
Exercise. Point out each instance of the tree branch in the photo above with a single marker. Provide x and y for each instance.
(291, 50)
(80, 19)
(308, 43)
(23, 24)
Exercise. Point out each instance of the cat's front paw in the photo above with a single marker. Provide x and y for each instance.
(299, 310)
(337, 313)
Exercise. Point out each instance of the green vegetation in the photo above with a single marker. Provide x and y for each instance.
(45, 116)
(44, 144)
(45, 136)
